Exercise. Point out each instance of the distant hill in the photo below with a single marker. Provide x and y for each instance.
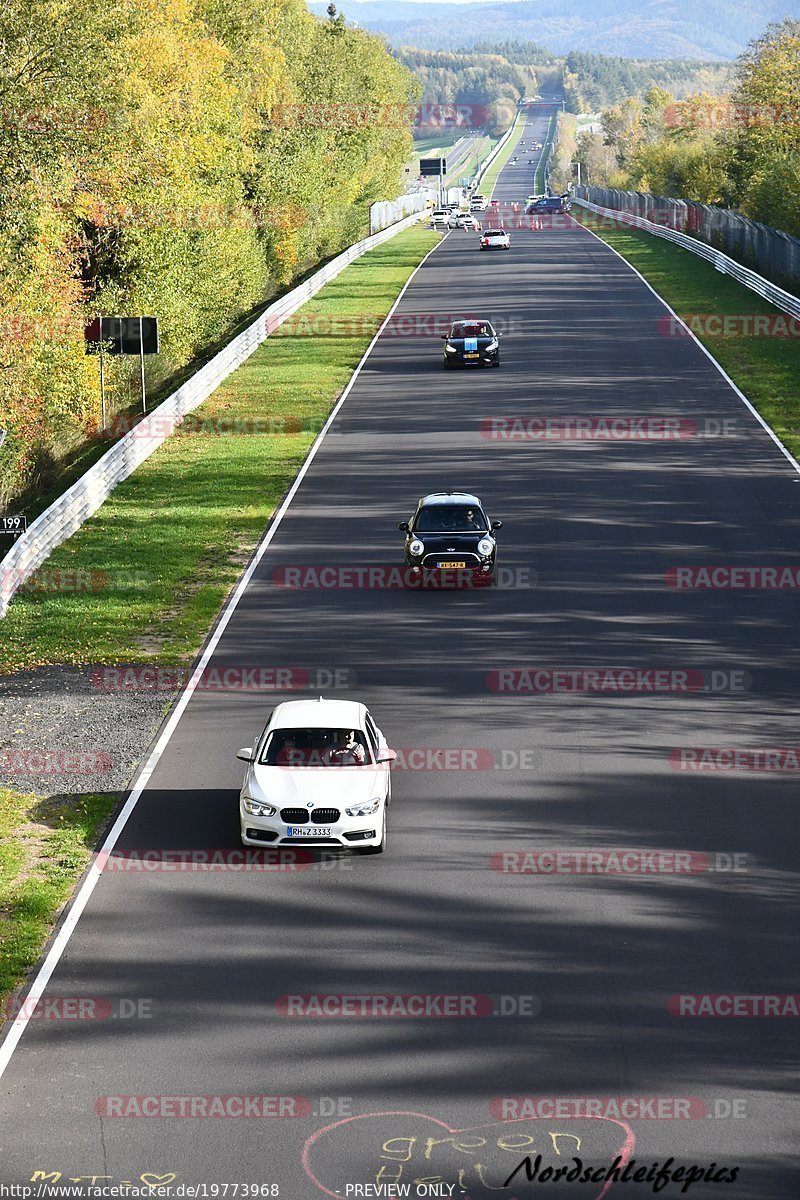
(706, 29)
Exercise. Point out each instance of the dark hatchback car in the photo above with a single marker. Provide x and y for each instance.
(451, 537)
(471, 344)
(549, 204)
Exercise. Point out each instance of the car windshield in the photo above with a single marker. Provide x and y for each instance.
(450, 518)
(495, 233)
(316, 748)
(471, 329)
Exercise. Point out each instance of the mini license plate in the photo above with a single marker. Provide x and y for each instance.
(450, 563)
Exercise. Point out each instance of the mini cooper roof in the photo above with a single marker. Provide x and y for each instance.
(465, 498)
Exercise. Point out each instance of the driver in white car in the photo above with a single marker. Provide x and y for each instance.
(347, 753)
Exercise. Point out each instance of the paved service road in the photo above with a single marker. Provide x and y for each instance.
(580, 964)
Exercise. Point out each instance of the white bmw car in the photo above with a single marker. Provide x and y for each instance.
(319, 775)
(495, 239)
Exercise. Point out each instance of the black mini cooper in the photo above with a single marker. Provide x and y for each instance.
(471, 344)
(450, 537)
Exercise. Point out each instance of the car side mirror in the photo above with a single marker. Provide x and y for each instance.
(495, 525)
(403, 527)
(385, 756)
(245, 754)
(442, 337)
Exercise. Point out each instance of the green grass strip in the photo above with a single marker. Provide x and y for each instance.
(490, 178)
(765, 366)
(143, 579)
(44, 848)
(539, 174)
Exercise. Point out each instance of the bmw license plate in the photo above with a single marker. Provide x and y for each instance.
(451, 563)
(312, 831)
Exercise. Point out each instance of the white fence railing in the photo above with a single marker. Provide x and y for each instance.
(783, 300)
(389, 212)
(79, 502)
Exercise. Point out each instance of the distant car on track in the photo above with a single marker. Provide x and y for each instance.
(471, 343)
(495, 239)
(451, 533)
(317, 776)
(438, 217)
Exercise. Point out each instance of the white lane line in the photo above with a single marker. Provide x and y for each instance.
(706, 351)
(19, 1023)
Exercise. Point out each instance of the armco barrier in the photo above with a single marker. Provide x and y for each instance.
(78, 503)
(783, 300)
(767, 251)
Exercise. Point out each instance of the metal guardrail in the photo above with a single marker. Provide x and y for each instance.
(66, 515)
(782, 299)
(761, 248)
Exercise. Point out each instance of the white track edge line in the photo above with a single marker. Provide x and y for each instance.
(42, 977)
(705, 350)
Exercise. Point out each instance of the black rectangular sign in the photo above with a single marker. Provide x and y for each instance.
(121, 335)
(13, 525)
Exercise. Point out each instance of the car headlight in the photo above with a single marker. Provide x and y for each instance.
(450, 349)
(258, 808)
(416, 547)
(493, 344)
(364, 810)
(485, 546)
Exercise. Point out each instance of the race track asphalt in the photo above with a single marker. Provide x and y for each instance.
(581, 964)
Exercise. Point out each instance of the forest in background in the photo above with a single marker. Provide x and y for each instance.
(182, 158)
(739, 150)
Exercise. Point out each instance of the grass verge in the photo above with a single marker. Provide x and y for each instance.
(44, 848)
(143, 579)
(539, 177)
(766, 368)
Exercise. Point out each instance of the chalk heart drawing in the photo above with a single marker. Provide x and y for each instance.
(403, 1146)
(152, 1180)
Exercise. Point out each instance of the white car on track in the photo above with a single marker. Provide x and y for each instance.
(494, 239)
(463, 220)
(319, 775)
